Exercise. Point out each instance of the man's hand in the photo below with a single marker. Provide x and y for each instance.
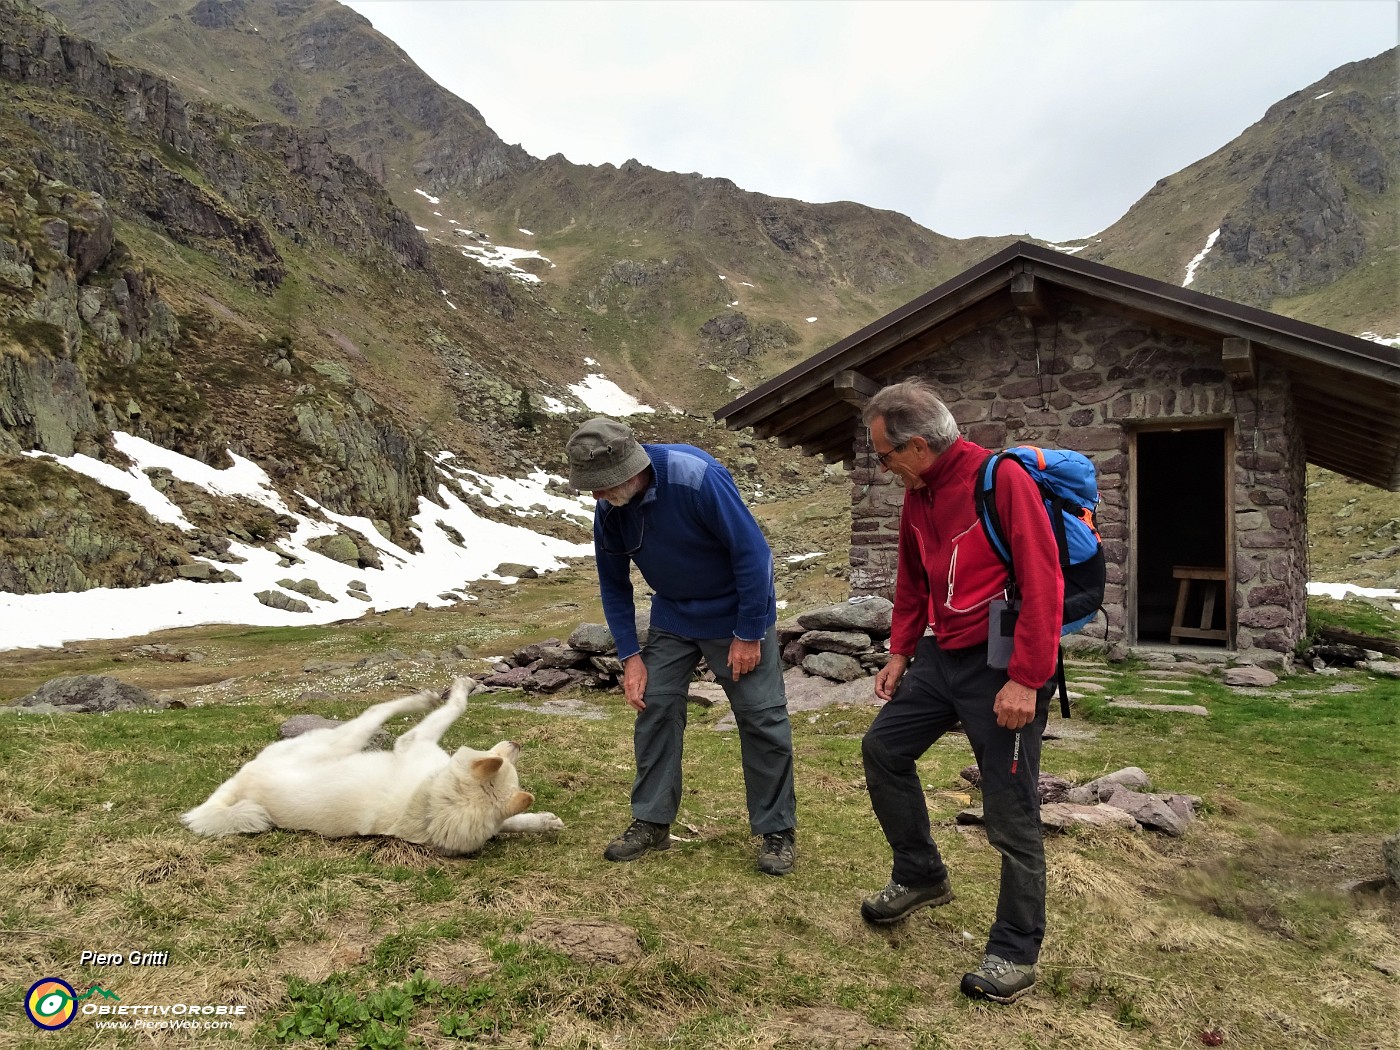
(634, 682)
(743, 657)
(888, 679)
(1015, 705)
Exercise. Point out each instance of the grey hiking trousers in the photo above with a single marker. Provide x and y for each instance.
(760, 710)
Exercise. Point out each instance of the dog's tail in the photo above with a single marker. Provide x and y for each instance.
(242, 817)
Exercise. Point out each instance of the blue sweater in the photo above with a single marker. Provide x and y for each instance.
(698, 548)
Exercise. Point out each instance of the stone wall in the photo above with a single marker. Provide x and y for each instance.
(1087, 381)
(1271, 519)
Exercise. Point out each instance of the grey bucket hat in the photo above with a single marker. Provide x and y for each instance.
(603, 454)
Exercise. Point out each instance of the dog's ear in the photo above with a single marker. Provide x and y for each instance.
(487, 766)
(519, 803)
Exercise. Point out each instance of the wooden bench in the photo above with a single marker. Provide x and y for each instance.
(1212, 580)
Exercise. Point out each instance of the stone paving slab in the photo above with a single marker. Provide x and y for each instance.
(1184, 709)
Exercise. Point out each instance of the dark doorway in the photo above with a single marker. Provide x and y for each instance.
(1181, 533)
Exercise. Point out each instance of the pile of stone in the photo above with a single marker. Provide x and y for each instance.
(588, 658)
(1118, 800)
(841, 642)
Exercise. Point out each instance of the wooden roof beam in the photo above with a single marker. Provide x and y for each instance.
(938, 338)
(867, 345)
(835, 443)
(835, 415)
(791, 417)
(854, 388)
(1031, 297)
(1237, 357)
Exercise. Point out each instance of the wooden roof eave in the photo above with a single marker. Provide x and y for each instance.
(1354, 463)
(821, 390)
(1333, 374)
(856, 351)
(835, 443)
(1210, 317)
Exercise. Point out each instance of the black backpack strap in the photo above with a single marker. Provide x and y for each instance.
(1060, 679)
(1057, 525)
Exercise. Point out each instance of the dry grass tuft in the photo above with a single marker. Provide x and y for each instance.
(1073, 876)
(395, 853)
(13, 811)
(827, 1028)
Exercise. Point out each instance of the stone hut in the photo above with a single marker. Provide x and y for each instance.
(1200, 415)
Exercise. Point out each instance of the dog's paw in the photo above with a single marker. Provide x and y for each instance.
(549, 822)
(464, 687)
(416, 703)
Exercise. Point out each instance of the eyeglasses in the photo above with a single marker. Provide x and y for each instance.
(623, 547)
(884, 457)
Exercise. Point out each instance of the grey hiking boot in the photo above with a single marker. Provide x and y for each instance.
(641, 836)
(779, 852)
(999, 980)
(896, 901)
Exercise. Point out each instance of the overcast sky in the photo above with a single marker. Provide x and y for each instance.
(1044, 118)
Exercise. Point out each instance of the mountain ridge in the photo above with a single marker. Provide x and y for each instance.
(203, 276)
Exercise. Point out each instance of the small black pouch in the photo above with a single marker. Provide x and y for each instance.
(1001, 631)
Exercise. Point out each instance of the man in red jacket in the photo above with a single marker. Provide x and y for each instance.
(948, 577)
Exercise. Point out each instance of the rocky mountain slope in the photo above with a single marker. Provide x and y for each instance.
(1306, 203)
(643, 260)
(254, 226)
(646, 264)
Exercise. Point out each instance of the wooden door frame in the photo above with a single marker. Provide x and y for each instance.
(1225, 424)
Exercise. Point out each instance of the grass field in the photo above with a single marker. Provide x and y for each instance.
(1243, 928)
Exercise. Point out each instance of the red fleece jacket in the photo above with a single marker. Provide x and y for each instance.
(948, 571)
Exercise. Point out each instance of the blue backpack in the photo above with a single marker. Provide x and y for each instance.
(1069, 485)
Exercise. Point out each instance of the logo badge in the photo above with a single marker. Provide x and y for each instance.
(50, 1003)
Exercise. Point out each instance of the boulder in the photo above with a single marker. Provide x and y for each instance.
(551, 680)
(88, 693)
(337, 547)
(852, 643)
(794, 653)
(528, 654)
(807, 692)
(1246, 675)
(592, 638)
(871, 614)
(1099, 790)
(308, 587)
(562, 656)
(515, 678)
(278, 600)
(609, 665)
(834, 666)
(1061, 816)
(1390, 853)
(1151, 811)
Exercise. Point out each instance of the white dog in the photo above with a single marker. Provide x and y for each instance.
(324, 781)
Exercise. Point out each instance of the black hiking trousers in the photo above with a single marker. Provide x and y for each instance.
(939, 690)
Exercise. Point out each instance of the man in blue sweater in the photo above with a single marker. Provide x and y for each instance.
(674, 512)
